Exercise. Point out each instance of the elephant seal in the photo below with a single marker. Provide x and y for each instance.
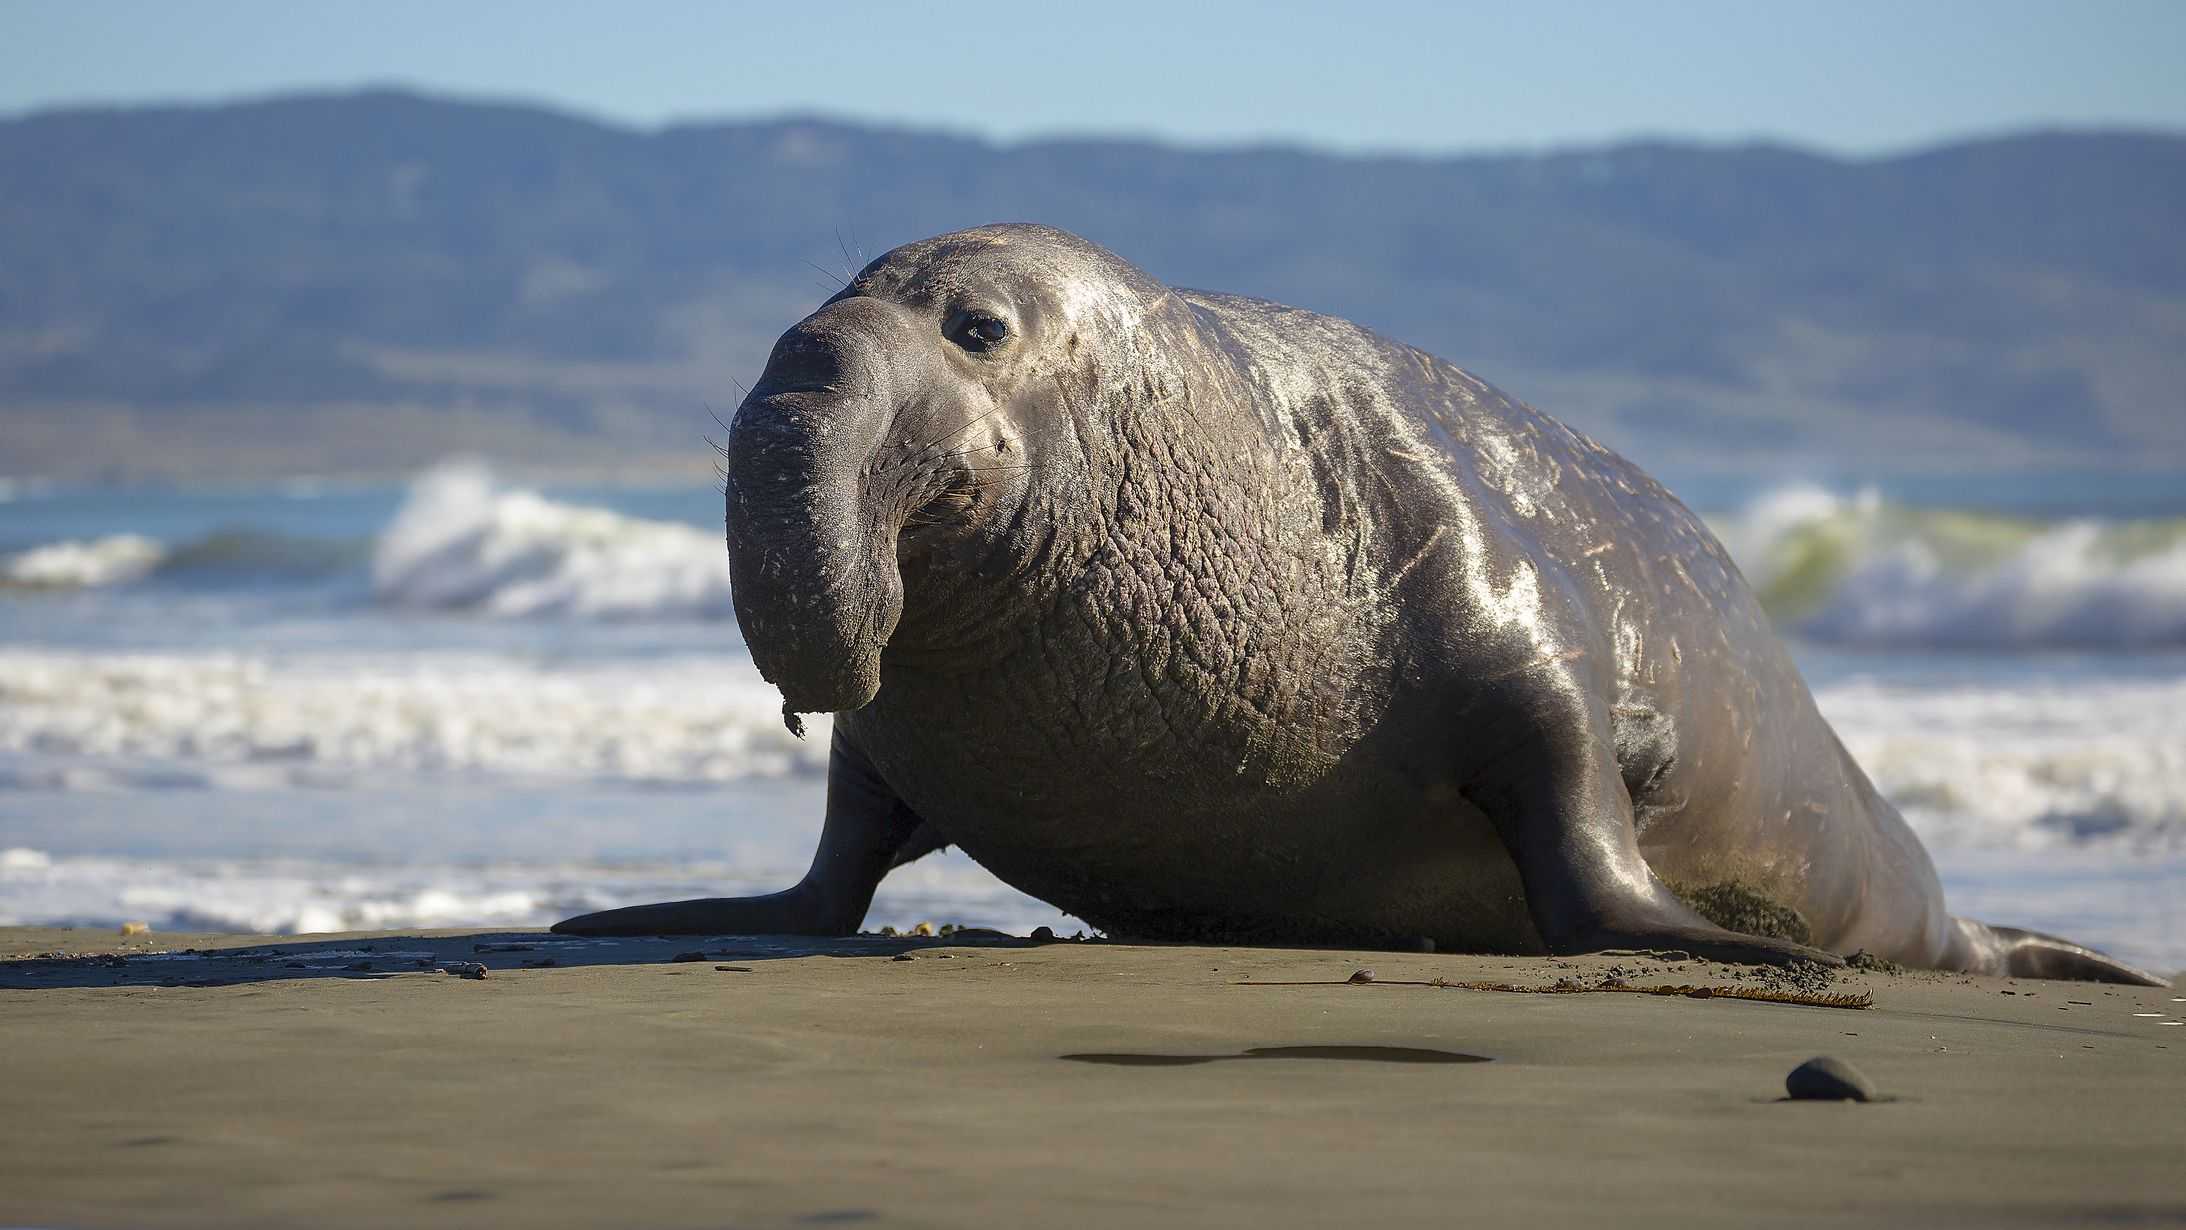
(1205, 618)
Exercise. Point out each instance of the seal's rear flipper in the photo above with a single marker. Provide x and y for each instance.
(2031, 954)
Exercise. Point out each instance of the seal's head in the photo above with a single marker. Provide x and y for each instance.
(920, 430)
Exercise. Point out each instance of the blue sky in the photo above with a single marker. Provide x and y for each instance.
(1848, 76)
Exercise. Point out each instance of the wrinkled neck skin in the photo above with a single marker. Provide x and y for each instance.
(1165, 592)
(1124, 467)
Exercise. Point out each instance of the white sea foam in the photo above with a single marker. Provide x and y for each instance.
(463, 541)
(291, 896)
(2019, 764)
(74, 564)
(2025, 766)
(1862, 571)
(73, 720)
(2132, 911)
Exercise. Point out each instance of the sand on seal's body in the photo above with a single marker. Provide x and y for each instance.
(619, 1087)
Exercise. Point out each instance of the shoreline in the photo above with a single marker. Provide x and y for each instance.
(345, 1080)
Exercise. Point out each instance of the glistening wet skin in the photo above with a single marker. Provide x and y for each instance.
(1357, 1054)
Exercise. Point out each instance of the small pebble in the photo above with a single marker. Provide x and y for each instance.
(903, 956)
(1828, 1079)
(465, 969)
(1364, 975)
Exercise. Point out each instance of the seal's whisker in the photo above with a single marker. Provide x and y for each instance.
(964, 452)
(910, 467)
(950, 437)
(849, 270)
(717, 446)
(925, 454)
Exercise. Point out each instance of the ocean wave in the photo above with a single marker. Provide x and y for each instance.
(1863, 571)
(463, 541)
(1840, 570)
(1833, 569)
(120, 559)
(258, 553)
(87, 720)
(82, 564)
(2026, 766)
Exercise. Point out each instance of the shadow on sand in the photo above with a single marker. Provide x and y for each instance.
(1356, 1054)
(472, 955)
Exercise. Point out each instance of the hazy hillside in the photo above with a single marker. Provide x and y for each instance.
(370, 280)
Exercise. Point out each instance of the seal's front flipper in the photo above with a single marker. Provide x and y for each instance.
(868, 831)
(1559, 802)
(791, 912)
(2031, 954)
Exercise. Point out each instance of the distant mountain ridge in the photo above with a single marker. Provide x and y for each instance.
(374, 278)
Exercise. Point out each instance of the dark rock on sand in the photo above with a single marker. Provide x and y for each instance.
(1825, 1078)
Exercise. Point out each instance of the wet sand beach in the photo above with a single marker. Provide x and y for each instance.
(356, 1080)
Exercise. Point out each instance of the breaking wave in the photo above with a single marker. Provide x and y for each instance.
(1837, 570)
(82, 564)
(463, 541)
(119, 559)
(1833, 569)
(1862, 571)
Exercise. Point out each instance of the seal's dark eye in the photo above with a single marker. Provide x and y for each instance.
(976, 331)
